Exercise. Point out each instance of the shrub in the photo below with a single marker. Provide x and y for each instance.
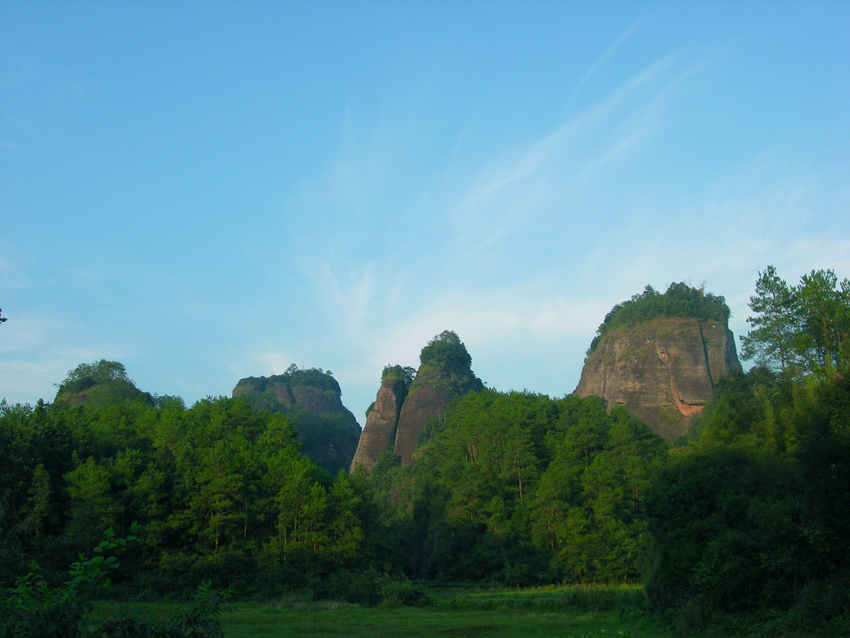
(400, 592)
(33, 608)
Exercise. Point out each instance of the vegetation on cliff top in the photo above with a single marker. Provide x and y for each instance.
(680, 300)
(100, 384)
(296, 376)
(406, 374)
(444, 350)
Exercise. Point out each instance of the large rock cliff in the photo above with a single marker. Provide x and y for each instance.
(312, 400)
(663, 370)
(432, 390)
(378, 434)
(400, 412)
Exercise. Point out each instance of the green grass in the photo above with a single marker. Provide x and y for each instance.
(575, 612)
(262, 621)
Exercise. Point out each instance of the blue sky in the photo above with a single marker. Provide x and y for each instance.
(208, 191)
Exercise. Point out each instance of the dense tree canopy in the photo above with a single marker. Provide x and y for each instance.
(523, 489)
(751, 517)
(216, 488)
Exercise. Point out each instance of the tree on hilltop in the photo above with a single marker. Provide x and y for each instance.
(86, 375)
(444, 349)
(773, 325)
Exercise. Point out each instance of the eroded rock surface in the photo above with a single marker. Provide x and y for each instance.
(664, 371)
(402, 406)
(378, 434)
(430, 394)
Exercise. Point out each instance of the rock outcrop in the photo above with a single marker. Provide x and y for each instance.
(432, 390)
(663, 370)
(312, 400)
(378, 434)
(400, 411)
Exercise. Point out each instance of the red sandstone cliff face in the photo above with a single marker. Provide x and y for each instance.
(430, 394)
(664, 371)
(378, 434)
(280, 391)
(400, 412)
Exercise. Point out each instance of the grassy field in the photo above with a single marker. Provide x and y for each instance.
(553, 612)
(268, 622)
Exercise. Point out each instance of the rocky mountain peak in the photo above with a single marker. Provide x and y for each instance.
(662, 358)
(444, 373)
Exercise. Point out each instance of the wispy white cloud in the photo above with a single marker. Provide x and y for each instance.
(390, 304)
(611, 51)
(537, 186)
(549, 203)
(24, 333)
(348, 293)
(27, 381)
(508, 195)
(14, 268)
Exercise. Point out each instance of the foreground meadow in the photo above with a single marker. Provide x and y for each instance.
(553, 612)
(264, 621)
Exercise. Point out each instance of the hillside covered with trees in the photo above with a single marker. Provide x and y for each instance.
(743, 523)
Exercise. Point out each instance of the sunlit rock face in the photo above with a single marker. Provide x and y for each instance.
(664, 371)
(405, 403)
(430, 394)
(378, 434)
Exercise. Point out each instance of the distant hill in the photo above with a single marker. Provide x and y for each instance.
(100, 385)
(661, 355)
(311, 398)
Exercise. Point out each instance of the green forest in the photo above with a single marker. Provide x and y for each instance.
(743, 525)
